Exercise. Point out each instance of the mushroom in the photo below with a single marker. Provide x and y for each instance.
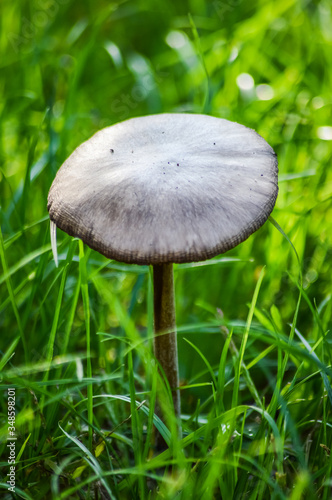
(164, 189)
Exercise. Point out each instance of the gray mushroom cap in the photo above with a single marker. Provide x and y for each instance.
(166, 188)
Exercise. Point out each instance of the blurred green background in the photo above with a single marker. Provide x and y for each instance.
(70, 68)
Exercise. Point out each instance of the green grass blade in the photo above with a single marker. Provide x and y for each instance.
(86, 305)
(9, 353)
(91, 460)
(326, 381)
(239, 365)
(206, 362)
(6, 278)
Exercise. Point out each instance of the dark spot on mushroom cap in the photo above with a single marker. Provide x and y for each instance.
(112, 150)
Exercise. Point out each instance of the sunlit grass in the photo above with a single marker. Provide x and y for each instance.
(253, 325)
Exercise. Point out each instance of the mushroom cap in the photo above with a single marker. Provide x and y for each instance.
(166, 188)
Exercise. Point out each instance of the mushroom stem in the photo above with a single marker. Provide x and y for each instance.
(165, 344)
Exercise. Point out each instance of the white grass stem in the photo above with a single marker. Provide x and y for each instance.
(53, 242)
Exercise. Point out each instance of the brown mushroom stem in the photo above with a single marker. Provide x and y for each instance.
(165, 343)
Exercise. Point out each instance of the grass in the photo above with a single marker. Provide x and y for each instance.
(253, 325)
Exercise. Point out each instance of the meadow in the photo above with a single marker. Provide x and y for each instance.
(254, 324)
